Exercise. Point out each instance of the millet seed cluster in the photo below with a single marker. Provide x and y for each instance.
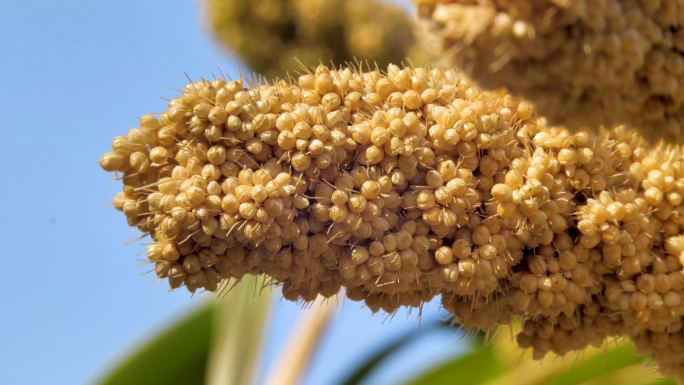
(275, 36)
(582, 62)
(410, 185)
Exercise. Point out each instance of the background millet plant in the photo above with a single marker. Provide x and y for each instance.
(410, 183)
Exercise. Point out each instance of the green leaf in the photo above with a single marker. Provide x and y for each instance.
(240, 322)
(479, 366)
(663, 381)
(177, 356)
(217, 344)
(614, 358)
(360, 373)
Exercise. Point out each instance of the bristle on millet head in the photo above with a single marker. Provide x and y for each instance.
(410, 185)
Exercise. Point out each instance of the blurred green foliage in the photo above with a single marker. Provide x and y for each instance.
(177, 356)
(216, 344)
(478, 367)
(219, 344)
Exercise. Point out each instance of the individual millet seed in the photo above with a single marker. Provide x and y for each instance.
(444, 255)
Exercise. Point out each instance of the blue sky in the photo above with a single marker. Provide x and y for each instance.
(74, 74)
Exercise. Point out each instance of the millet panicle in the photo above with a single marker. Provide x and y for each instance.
(410, 184)
(583, 63)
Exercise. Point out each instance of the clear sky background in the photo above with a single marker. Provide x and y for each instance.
(74, 74)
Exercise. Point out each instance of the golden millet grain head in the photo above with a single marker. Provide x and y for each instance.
(580, 233)
(582, 63)
(276, 36)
